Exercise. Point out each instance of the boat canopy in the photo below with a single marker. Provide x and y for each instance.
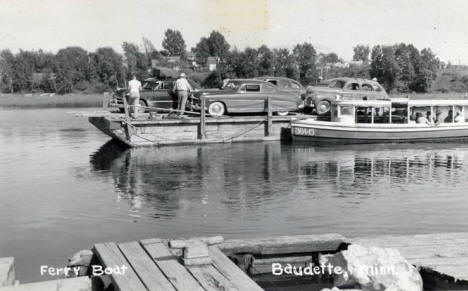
(438, 102)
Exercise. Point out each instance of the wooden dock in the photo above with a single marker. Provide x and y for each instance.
(199, 263)
(245, 264)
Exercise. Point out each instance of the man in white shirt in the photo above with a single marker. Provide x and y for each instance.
(134, 88)
(182, 88)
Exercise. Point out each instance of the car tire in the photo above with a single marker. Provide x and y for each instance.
(323, 107)
(142, 108)
(216, 109)
(282, 113)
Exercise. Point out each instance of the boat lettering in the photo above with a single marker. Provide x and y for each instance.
(304, 131)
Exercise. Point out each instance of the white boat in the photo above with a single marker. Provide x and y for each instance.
(382, 121)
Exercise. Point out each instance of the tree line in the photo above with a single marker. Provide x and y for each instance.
(399, 68)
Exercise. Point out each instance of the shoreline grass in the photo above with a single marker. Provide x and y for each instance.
(97, 100)
(52, 101)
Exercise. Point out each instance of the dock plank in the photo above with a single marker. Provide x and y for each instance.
(211, 279)
(444, 253)
(176, 273)
(145, 267)
(70, 284)
(110, 256)
(284, 244)
(232, 272)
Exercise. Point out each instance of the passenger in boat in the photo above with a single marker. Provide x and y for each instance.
(430, 120)
(437, 120)
(134, 88)
(420, 119)
(459, 118)
(449, 117)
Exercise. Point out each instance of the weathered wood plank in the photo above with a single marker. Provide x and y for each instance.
(110, 256)
(182, 243)
(263, 266)
(284, 244)
(144, 266)
(7, 271)
(211, 279)
(235, 275)
(71, 284)
(180, 278)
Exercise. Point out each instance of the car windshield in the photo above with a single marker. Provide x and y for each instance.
(148, 85)
(339, 84)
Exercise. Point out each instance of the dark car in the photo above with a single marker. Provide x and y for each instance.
(248, 96)
(285, 84)
(155, 93)
(321, 96)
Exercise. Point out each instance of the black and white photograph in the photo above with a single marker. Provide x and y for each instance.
(233, 145)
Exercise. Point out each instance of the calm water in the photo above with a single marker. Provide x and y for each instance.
(63, 188)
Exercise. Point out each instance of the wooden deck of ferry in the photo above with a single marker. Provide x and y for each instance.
(215, 264)
(160, 129)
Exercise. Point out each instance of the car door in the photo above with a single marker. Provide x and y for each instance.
(247, 99)
(352, 91)
(162, 95)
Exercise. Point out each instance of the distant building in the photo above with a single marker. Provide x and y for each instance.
(211, 63)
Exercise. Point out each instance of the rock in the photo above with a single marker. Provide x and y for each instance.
(374, 269)
(81, 259)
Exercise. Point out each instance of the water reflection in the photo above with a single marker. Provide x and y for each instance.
(163, 179)
(165, 182)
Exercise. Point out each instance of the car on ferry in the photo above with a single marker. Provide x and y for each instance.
(247, 96)
(285, 84)
(321, 97)
(155, 93)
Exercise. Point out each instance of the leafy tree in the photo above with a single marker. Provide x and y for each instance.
(215, 46)
(202, 50)
(7, 67)
(405, 74)
(135, 60)
(285, 64)
(305, 57)
(361, 53)
(108, 67)
(71, 66)
(265, 61)
(384, 67)
(174, 43)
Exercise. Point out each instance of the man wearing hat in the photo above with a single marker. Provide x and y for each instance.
(182, 88)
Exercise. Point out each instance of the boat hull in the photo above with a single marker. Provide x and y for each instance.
(318, 133)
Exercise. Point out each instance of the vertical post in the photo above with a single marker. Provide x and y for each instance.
(453, 113)
(269, 116)
(390, 114)
(372, 115)
(202, 117)
(127, 117)
(432, 115)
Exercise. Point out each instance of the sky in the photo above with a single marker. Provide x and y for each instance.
(330, 25)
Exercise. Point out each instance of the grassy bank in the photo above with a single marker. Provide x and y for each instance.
(51, 100)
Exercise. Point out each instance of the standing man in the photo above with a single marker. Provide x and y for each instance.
(182, 88)
(134, 88)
